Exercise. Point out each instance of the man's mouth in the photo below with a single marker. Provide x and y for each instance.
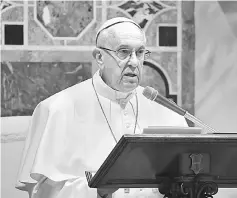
(130, 74)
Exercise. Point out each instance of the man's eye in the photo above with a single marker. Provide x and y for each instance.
(124, 51)
(140, 52)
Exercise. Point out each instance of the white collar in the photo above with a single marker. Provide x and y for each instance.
(104, 90)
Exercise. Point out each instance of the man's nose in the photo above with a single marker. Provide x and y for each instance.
(133, 60)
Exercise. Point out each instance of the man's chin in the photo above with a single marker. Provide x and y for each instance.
(127, 87)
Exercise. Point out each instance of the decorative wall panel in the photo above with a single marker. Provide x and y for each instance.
(5, 5)
(168, 17)
(142, 12)
(18, 2)
(64, 31)
(64, 18)
(111, 13)
(188, 56)
(25, 84)
(14, 14)
(36, 35)
(89, 37)
(170, 3)
(167, 61)
(46, 56)
(153, 78)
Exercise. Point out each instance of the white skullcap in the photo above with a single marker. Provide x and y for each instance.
(112, 22)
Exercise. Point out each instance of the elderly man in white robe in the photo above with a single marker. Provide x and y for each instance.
(74, 130)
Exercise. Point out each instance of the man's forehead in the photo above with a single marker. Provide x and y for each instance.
(124, 34)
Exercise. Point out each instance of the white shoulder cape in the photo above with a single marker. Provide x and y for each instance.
(68, 134)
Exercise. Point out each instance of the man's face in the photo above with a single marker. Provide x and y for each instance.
(123, 75)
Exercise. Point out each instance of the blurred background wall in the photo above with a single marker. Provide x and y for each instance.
(216, 63)
(46, 47)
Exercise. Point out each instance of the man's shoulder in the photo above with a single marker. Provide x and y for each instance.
(69, 96)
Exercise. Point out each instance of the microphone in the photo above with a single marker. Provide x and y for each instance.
(152, 94)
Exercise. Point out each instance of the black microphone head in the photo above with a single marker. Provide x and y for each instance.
(150, 93)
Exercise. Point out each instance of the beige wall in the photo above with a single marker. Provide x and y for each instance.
(11, 154)
(216, 64)
(13, 133)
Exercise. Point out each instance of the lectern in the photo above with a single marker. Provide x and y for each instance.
(180, 165)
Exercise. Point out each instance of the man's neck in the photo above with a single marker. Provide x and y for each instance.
(109, 85)
(106, 91)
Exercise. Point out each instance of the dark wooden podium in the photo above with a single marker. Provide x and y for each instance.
(181, 166)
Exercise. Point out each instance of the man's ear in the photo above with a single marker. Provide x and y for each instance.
(98, 57)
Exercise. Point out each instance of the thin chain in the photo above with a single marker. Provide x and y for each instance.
(107, 118)
(134, 113)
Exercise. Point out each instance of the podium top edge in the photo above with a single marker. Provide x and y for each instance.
(199, 136)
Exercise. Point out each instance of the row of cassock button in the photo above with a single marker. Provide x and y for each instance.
(127, 122)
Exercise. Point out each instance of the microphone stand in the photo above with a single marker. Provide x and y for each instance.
(198, 122)
(153, 95)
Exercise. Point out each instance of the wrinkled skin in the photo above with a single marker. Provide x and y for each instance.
(121, 75)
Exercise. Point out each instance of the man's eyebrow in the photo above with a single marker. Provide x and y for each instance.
(123, 46)
(129, 47)
(142, 47)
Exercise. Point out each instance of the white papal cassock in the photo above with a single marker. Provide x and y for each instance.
(69, 135)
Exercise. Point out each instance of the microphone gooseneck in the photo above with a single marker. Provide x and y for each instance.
(152, 94)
